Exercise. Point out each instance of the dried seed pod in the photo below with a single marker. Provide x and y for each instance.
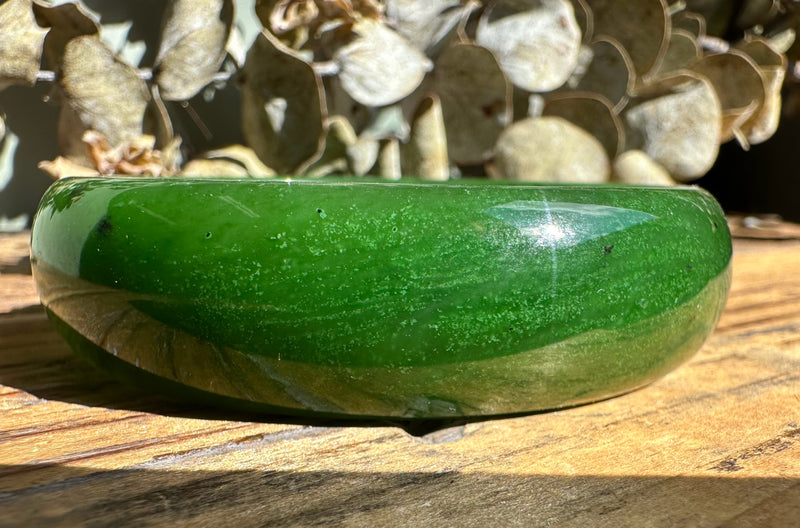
(692, 23)
(214, 168)
(642, 26)
(388, 164)
(636, 167)
(683, 49)
(425, 153)
(535, 41)
(783, 41)
(610, 73)
(362, 155)
(339, 136)
(339, 102)
(379, 67)
(475, 98)
(772, 65)
(717, 14)
(740, 87)
(591, 112)
(677, 123)
(282, 105)
(243, 156)
(427, 23)
(549, 149)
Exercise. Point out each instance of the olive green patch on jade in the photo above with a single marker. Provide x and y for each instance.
(382, 299)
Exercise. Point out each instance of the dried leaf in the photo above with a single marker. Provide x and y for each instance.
(535, 41)
(294, 22)
(192, 46)
(636, 167)
(171, 156)
(549, 149)
(772, 65)
(214, 168)
(99, 93)
(63, 167)
(476, 101)
(282, 105)
(66, 21)
(389, 159)
(734, 75)
(739, 84)
(610, 73)
(641, 26)
(281, 16)
(591, 112)
(21, 43)
(362, 155)
(679, 129)
(425, 154)
(135, 157)
(242, 156)
(683, 49)
(379, 67)
(427, 23)
(339, 136)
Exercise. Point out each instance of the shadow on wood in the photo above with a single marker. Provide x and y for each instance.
(155, 496)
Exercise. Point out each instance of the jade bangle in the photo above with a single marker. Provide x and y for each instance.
(372, 299)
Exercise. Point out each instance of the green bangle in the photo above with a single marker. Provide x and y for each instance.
(374, 299)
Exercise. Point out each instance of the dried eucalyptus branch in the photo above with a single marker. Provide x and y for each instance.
(145, 74)
(532, 89)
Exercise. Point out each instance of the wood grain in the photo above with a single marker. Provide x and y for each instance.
(717, 442)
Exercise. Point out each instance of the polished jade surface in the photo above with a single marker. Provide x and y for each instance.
(382, 299)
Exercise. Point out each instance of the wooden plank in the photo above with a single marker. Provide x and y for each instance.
(768, 227)
(715, 442)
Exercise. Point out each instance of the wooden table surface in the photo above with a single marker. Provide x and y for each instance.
(715, 443)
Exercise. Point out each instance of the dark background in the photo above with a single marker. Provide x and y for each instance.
(765, 179)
